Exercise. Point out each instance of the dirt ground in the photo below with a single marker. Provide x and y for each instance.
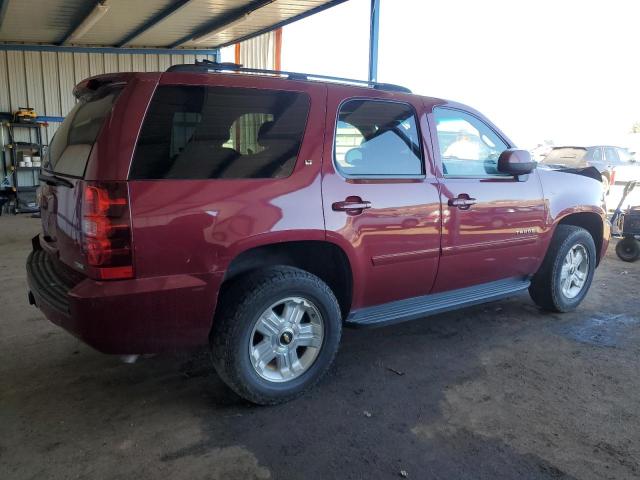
(497, 391)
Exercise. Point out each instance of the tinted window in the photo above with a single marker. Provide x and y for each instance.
(375, 138)
(220, 132)
(468, 147)
(596, 155)
(72, 143)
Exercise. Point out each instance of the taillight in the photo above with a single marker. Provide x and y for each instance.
(106, 230)
(612, 178)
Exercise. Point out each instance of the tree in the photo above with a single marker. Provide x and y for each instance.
(635, 128)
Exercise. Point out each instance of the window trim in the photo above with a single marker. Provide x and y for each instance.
(437, 149)
(347, 176)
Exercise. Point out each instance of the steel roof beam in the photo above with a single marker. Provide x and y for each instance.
(152, 22)
(88, 20)
(374, 33)
(219, 24)
(283, 23)
(22, 47)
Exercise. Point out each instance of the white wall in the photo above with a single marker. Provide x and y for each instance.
(45, 80)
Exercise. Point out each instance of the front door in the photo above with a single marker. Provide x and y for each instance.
(492, 222)
(381, 204)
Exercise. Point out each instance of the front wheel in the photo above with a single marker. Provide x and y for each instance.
(567, 270)
(628, 249)
(276, 334)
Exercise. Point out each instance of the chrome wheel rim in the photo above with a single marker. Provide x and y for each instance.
(575, 270)
(286, 339)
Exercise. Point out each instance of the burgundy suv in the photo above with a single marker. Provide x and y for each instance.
(259, 213)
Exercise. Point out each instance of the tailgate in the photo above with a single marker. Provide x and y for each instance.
(61, 186)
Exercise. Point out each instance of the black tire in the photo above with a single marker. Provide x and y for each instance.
(546, 289)
(242, 304)
(628, 249)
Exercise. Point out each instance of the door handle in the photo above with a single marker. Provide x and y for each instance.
(351, 205)
(462, 201)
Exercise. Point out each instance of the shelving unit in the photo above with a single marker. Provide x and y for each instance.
(24, 180)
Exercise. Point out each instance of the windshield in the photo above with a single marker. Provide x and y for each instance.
(72, 143)
(566, 157)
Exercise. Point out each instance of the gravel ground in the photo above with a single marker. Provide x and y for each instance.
(497, 391)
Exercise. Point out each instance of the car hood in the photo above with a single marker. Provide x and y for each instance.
(590, 172)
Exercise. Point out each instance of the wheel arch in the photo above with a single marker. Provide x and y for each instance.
(591, 222)
(322, 258)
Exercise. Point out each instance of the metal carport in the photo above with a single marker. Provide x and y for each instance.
(46, 47)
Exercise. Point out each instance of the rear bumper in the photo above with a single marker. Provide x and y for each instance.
(142, 315)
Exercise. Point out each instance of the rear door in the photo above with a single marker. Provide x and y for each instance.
(492, 222)
(380, 199)
(224, 163)
(63, 170)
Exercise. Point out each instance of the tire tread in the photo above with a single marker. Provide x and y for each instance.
(229, 317)
(542, 289)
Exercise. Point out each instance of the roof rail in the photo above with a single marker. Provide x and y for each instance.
(205, 66)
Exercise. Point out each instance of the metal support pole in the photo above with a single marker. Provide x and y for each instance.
(373, 40)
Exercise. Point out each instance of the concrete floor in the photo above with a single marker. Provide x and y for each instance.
(498, 391)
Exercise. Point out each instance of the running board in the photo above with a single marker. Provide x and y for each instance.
(418, 307)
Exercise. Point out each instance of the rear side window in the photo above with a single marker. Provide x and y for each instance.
(72, 143)
(193, 132)
(376, 138)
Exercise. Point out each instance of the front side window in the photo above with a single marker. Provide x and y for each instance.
(193, 132)
(596, 155)
(376, 138)
(468, 147)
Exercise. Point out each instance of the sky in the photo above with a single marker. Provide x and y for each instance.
(561, 70)
(567, 71)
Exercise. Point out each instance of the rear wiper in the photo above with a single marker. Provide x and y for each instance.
(55, 181)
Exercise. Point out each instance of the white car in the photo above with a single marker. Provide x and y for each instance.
(626, 170)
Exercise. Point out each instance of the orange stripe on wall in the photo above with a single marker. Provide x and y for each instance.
(237, 54)
(278, 55)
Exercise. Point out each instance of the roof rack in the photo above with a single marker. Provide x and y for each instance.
(209, 66)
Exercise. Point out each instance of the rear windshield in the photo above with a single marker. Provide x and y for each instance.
(193, 132)
(566, 157)
(72, 143)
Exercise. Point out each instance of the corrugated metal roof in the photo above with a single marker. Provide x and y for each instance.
(38, 21)
(189, 18)
(148, 23)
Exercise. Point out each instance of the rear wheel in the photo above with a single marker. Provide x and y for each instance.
(276, 334)
(567, 270)
(628, 249)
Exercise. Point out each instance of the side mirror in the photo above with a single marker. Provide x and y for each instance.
(516, 162)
